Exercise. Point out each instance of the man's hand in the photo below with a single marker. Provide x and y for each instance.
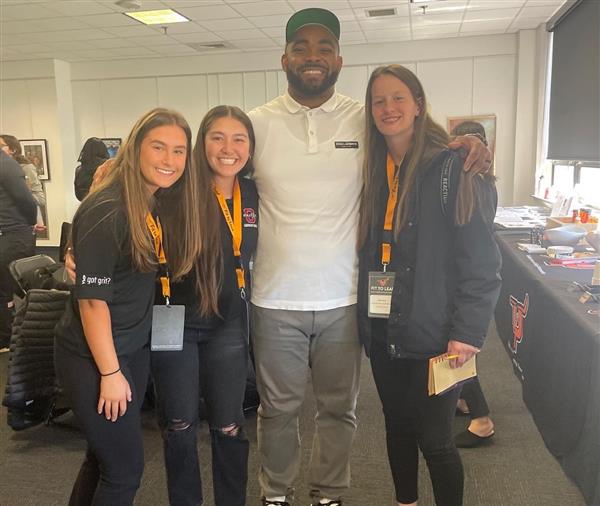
(463, 350)
(101, 172)
(70, 265)
(479, 157)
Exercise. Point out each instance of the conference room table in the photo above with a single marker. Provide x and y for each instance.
(553, 340)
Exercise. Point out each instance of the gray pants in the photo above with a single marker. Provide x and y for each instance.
(288, 346)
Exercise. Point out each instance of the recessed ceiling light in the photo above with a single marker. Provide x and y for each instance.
(158, 17)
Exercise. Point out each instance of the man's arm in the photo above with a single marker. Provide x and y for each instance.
(478, 155)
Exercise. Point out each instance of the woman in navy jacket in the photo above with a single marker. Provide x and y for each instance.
(430, 225)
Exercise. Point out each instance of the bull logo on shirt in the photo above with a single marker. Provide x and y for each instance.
(519, 313)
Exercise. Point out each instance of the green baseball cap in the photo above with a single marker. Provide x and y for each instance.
(312, 16)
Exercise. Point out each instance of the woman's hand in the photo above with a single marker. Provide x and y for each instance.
(70, 265)
(101, 172)
(463, 351)
(114, 396)
(479, 157)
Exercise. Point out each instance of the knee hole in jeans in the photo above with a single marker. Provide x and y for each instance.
(232, 430)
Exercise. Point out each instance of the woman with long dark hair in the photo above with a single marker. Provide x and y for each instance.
(426, 233)
(93, 154)
(102, 348)
(213, 359)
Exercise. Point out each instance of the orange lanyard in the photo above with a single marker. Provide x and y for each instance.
(393, 184)
(235, 227)
(156, 231)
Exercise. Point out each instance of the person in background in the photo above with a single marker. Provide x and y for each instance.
(472, 400)
(309, 154)
(426, 232)
(93, 154)
(18, 212)
(102, 351)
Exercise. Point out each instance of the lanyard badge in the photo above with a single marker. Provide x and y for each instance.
(167, 320)
(381, 283)
(234, 223)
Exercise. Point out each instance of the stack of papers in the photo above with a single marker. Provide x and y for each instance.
(442, 377)
(521, 217)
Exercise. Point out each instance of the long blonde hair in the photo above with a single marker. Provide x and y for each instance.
(429, 140)
(176, 205)
(209, 265)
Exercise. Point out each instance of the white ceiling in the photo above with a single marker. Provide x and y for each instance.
(83, 30)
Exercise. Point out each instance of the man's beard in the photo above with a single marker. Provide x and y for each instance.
(310, 90)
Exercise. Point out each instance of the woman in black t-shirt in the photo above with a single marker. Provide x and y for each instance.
(215, 349)
(102, 352)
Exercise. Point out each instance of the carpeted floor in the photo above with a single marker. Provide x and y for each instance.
(39, 465)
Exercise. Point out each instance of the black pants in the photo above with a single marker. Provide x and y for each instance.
(414, 420)
(114, 461)
(13, 246)
(214, 363)
(473, 396)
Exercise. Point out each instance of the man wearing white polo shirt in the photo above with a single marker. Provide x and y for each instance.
(308, 161)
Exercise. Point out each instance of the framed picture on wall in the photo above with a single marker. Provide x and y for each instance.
(467, 124)
(37, 152)
(112, 144)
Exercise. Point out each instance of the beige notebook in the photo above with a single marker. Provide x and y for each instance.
(443, 378)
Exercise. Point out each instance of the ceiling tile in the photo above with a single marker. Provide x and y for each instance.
(30, 48)
(9, 27)
(489, 15)
(100, 54)
(277, 20)
(275, 32)
(227, 24)
(495, 4)
(154, 40)
(138, 30)
(488, 31)
(74, 35)
(27, 11)
(188, 38)
(64, 23)
(388, 35)
(241, 34)
(112, 42)
(264, 8)
(446, 7)
(133, 51)
(480, 26)
(251, 44)
(208, 12)
(436, 19)
(176, 28)
(352, 37)
(67, 45)
(384, 23)
(538, 11)
(109, 20)
(431, 31)
(79, 7)
(174, 50)
(526, 23)
(332, 5)
(14, 39)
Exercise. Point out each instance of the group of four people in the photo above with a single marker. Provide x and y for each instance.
(412, 216)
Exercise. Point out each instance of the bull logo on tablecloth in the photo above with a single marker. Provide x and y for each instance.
(519, 313)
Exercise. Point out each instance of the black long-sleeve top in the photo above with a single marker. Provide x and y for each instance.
(18, 209)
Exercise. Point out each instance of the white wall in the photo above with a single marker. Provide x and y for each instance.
(462, 76)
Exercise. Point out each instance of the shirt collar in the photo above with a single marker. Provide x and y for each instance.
(293, 107)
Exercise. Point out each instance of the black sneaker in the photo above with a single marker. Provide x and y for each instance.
(266, 502)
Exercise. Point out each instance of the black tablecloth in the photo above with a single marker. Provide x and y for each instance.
(554, 343)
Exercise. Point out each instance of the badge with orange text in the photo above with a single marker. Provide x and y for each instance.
(381, 286)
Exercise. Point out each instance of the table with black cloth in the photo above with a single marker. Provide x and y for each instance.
(554, 342)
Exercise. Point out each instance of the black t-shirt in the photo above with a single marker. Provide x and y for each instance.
(101, 245)
(230, 303)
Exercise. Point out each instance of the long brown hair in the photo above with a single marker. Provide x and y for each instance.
(429, 140)
(209, 265)
(178, 212)
(15, 146)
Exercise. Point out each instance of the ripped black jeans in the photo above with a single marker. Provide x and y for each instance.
(214, 363)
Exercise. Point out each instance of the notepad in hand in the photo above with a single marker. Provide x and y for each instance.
(442, 377)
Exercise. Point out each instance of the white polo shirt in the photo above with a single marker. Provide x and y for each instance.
(308, 172)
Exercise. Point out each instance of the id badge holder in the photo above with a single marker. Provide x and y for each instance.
(381, 287)
(167, 328)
